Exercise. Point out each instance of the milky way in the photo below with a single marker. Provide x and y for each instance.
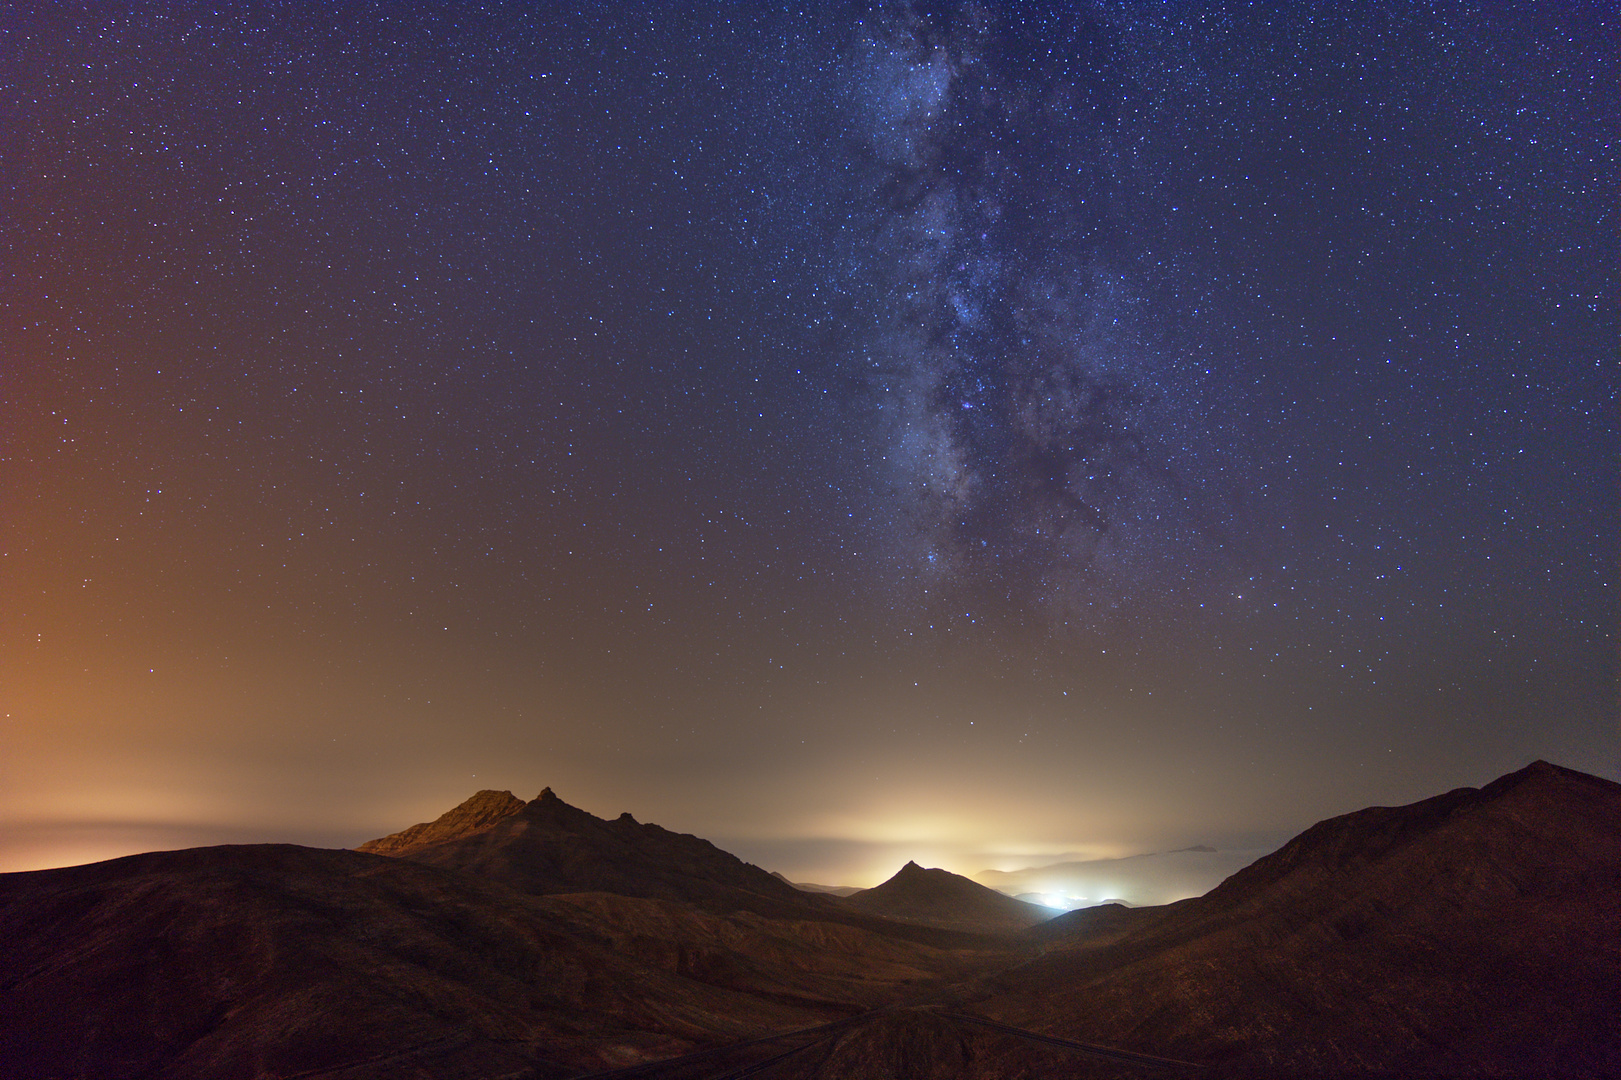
(1028, 429)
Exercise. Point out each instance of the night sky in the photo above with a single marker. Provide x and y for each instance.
(977, 433)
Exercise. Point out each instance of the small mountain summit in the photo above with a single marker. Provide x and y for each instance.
(950, 901)
(479, 812)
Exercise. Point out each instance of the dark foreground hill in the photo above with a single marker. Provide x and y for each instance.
(1476, 934)
(282, 961)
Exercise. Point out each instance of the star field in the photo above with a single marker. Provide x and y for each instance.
(940, 431)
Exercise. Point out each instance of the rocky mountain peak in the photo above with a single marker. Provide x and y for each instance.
(547, 846)
(477, 812)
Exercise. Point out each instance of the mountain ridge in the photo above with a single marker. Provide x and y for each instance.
(1473, 934)
(547, 846)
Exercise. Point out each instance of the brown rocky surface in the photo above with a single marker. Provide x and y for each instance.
(275, 960)
(482, 810)
(945, 900)
(927, 1044)
(810, 961)
(920, 1042)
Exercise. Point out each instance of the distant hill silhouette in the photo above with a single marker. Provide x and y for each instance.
(1160, 877)
(832, 890)
(943, 899)
(1094, 926)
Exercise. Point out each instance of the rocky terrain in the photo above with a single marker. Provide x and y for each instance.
(1475, 934)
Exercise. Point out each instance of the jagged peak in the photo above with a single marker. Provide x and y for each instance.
(487, 795)
(478, 811)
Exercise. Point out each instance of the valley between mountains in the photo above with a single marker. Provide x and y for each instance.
(1473, 934)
